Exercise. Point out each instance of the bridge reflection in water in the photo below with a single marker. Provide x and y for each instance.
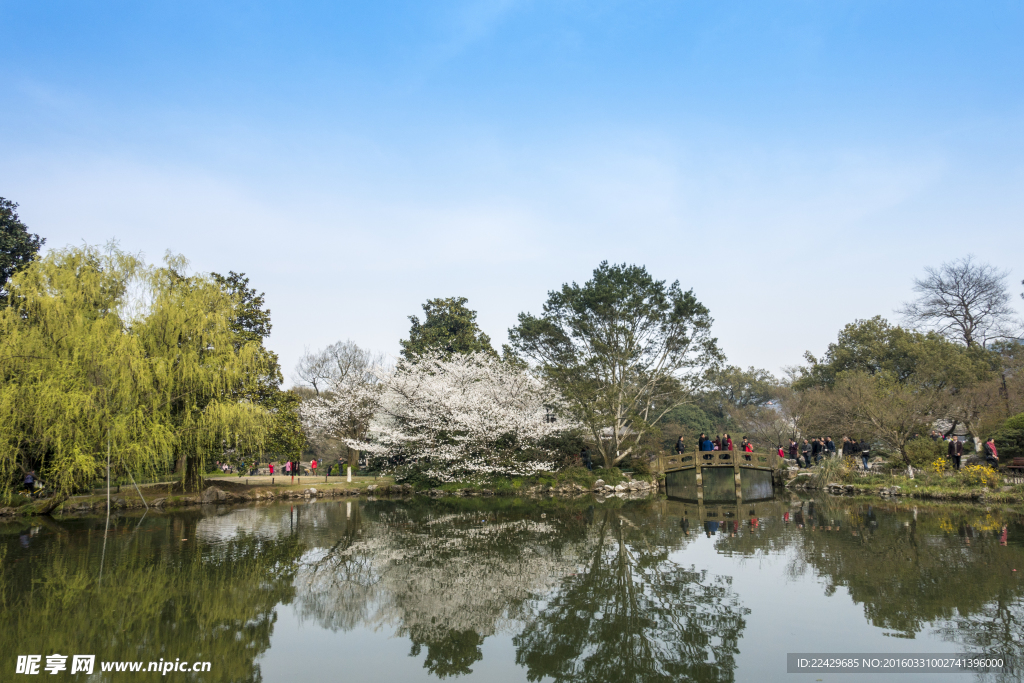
(719, 476)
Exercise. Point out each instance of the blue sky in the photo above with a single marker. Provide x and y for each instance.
(796, 163)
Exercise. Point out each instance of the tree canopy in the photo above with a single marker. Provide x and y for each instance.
(458, 418)
(250, 324)
(888, 383)
(99, 350)
(623, 348)
(449, 327)
(875, 346)
(17, 245)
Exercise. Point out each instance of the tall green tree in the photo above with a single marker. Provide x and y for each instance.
(875, 346)
(18, 246)
(624, 349)
(99, 350)
(448, 326)
(250, 323)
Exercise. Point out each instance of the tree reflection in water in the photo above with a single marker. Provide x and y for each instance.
(583, 591)
(163, 594)
(444, 578)
(591, 594)
(633, 615)
(913, 566)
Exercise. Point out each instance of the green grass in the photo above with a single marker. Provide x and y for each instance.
(932, 485)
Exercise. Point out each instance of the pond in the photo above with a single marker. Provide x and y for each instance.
(513, 589)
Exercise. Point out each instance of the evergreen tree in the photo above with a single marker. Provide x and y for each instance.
(17, 245)
(251, 324)
(448, 327)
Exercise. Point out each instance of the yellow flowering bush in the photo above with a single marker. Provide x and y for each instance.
(976, 475)
(939, 465)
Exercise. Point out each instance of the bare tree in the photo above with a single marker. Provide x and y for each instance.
(338, 363)
(312, 370)
(338, 374)
(965, 301)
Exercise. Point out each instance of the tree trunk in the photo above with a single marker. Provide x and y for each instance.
(193, 480)
(51, 504)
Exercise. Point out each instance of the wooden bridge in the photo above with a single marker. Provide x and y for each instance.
(719, 475)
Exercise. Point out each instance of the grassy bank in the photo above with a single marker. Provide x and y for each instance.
(973, 483)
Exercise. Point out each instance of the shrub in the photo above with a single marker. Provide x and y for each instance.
(977, 475)
(640, 465)
(1010, 438)
(577, 475)
(1015, 422)
(939, 465)
(566, 448)
(417, 475)
(831, 469)
(923, 451)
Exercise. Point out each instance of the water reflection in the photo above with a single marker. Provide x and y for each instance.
(162, 594)
(632, 613)
(586, 591)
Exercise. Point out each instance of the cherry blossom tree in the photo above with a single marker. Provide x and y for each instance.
(456, 419)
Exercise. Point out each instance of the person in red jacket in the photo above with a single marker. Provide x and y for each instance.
(991, 455)
(728, 441)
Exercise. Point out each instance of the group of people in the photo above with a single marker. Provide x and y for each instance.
(811, 452)
(290, 468)
(719, 443)
(955, 451)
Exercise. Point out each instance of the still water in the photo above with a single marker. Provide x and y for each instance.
(513, 590)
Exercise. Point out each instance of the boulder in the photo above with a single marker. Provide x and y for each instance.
(599, 484)
(371, 488)
(212, 494)
(621, 487)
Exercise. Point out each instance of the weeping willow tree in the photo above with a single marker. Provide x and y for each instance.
(101, 352)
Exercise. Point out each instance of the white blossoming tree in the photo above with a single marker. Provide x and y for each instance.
(343, 412)
(457, 419)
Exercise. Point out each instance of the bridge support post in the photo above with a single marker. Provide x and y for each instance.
(698, 458)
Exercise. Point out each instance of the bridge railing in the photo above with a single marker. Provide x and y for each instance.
(669, 463)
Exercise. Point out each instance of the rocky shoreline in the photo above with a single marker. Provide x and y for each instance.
(216, 495)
